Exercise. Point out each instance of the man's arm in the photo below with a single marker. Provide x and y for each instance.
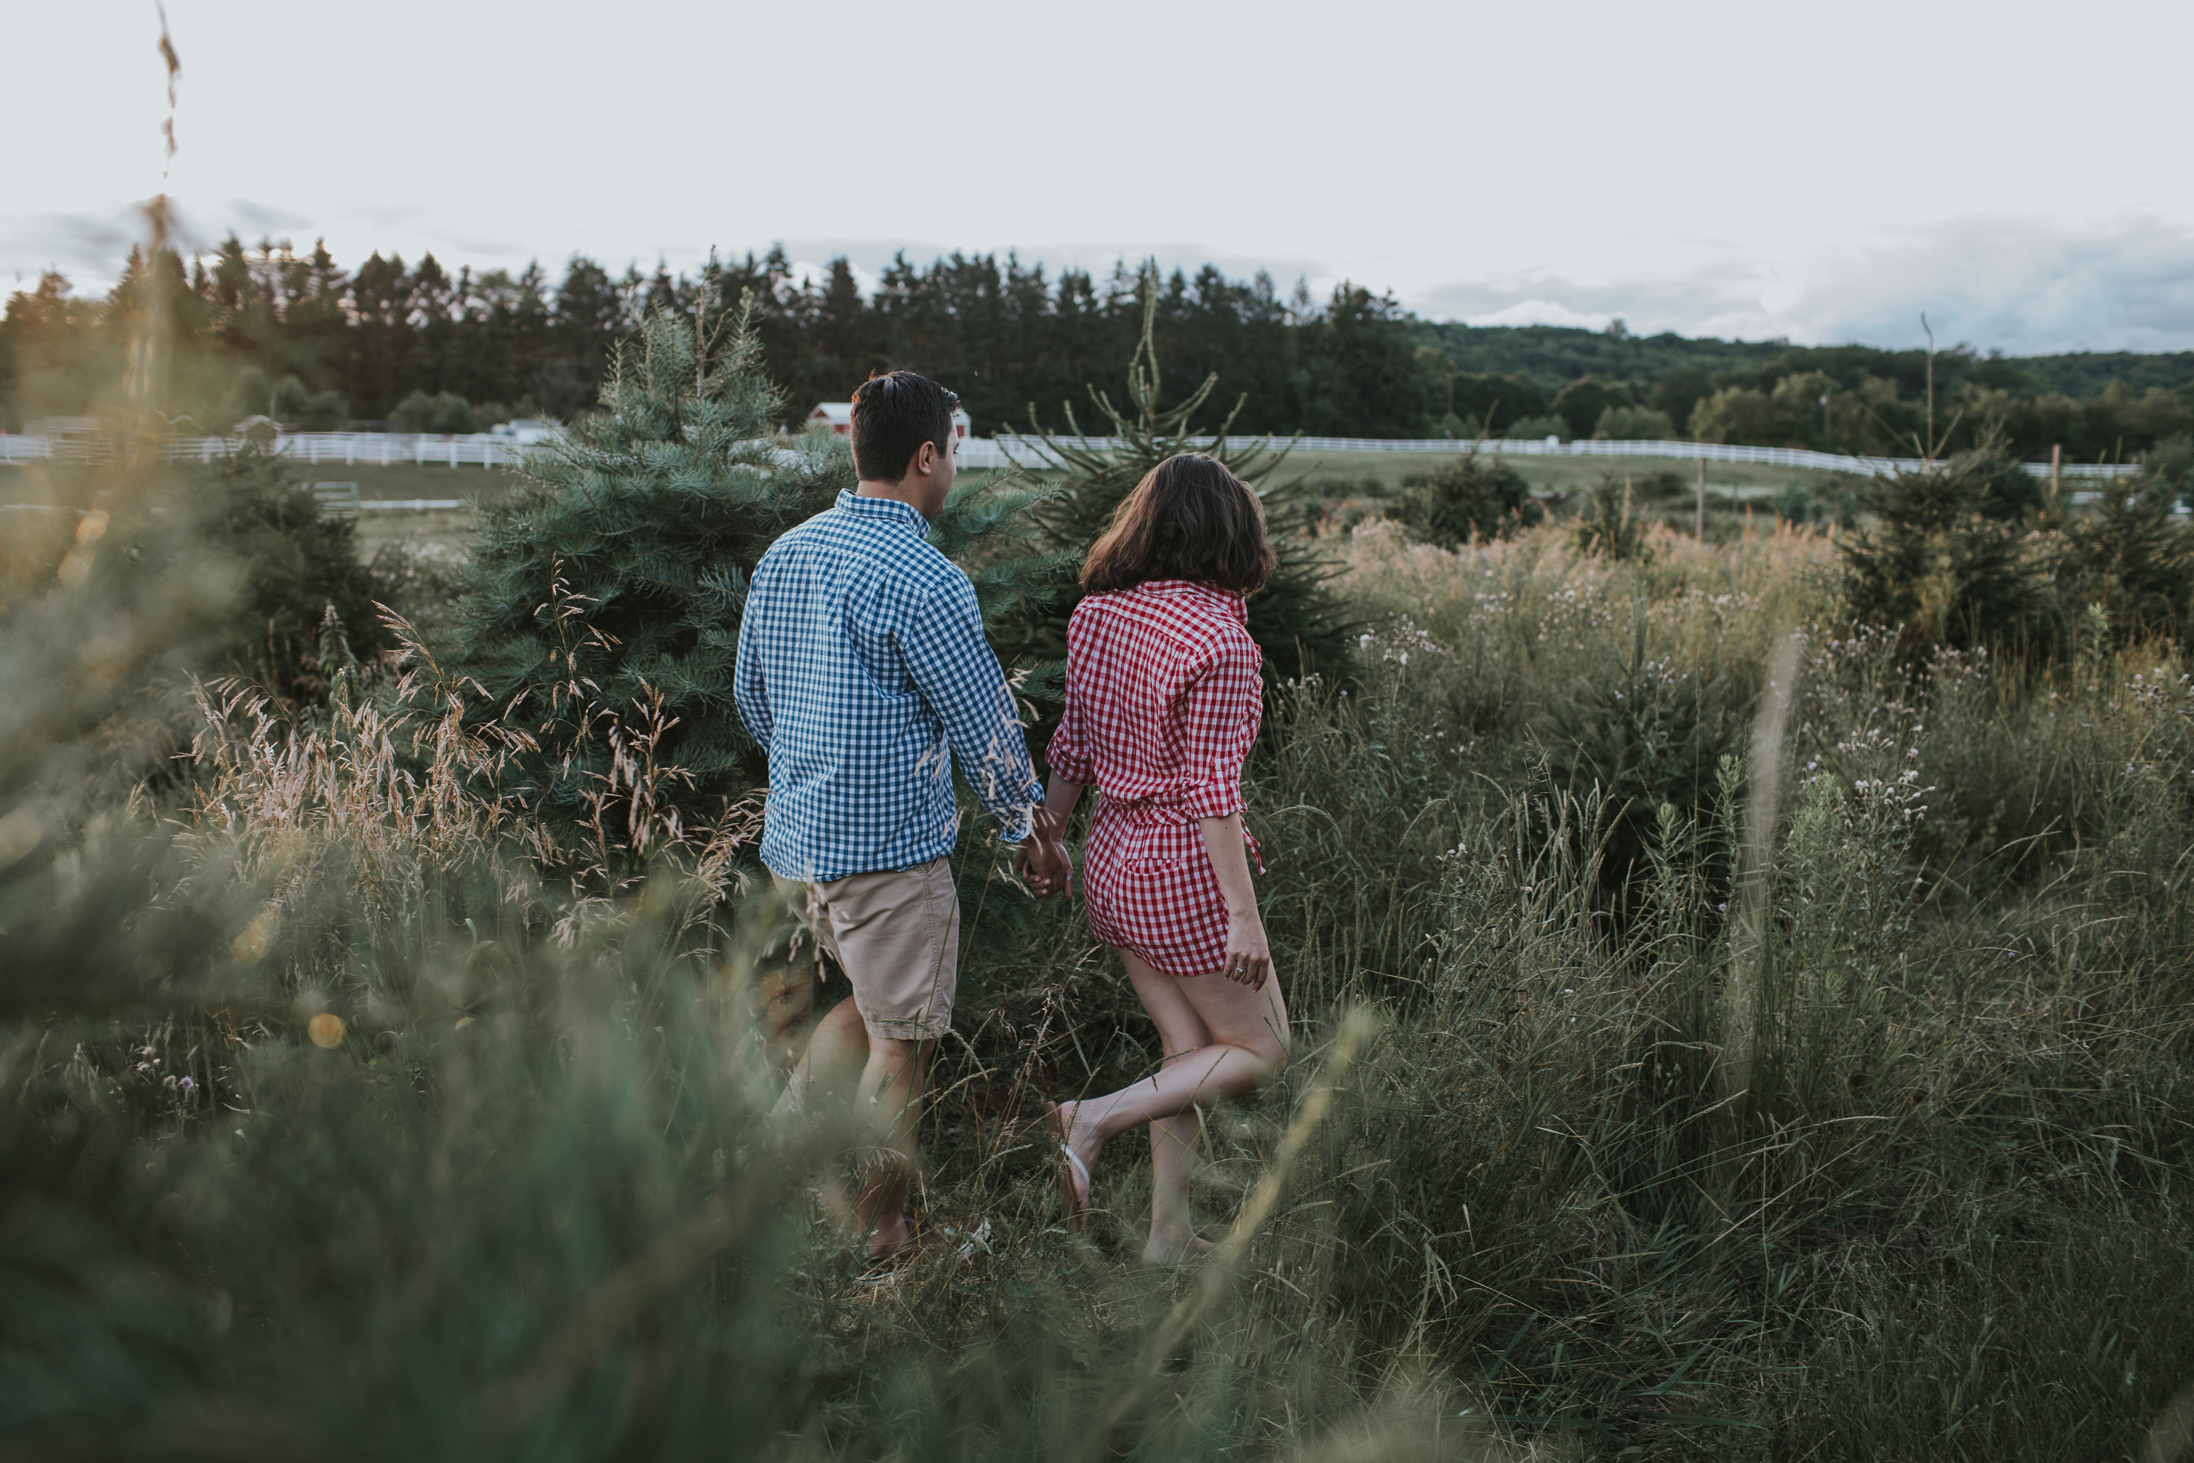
(956, 672)
(747, 688)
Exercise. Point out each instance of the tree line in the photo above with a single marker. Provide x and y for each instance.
(296, 337)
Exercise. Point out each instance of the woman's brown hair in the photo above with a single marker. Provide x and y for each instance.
(1189, 518)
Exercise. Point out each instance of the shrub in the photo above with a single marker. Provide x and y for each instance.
(2132, 557)
(1581, 403)
(1531, 429)
(1662, 485)
(270, 564)
(1470, 497)
(2167, 468)
(1943, 562)
(607, 589)
(1608, 526)
(1634, 424)
(442, 413)
(307, 411)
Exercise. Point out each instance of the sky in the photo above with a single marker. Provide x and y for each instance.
(2018, 171)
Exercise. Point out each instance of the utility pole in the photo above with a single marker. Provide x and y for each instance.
(1699, 524)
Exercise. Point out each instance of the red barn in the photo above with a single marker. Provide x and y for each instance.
(838, 415)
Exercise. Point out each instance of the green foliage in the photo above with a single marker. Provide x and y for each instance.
(1294, 618)
(1634, 424)
(2133, 558)
(607, 590)
(1584, 401)
(1364, 375)
(2167, 469)
(1531, 429)
(1609, 526)
(1944, 561)
(272, 564)
(444, 412)
(1488, 403)
(1469, 497)
(1888, 1167)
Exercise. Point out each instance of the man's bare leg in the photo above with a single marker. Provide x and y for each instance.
(890, 1098)
(827, 1078)
(787, 995)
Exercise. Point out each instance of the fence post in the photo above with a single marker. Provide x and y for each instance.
(2056, 465)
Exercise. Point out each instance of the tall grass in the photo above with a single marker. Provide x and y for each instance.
(518, 1193)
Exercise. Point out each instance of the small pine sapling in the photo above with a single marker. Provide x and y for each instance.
(1295, 618)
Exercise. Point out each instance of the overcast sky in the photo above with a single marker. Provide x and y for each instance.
(2020, 171)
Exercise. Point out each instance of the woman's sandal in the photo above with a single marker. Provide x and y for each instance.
(1067, 1166)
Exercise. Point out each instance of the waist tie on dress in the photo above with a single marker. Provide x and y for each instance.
(1150, 813)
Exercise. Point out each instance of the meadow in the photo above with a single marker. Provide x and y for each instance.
(1722, 1035)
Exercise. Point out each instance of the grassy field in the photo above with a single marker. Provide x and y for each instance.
(1354, 484)
(1553, 475)
(1715, 1040)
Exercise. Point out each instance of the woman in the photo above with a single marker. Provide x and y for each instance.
(1162, 702)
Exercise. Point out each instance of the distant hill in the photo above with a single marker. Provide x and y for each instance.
(1554, 355)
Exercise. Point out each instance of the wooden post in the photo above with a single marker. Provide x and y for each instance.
(2056, 462)
(1699, 525)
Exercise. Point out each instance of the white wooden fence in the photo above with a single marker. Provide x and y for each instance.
(484, 450)
(385, 449)
(1030, 451)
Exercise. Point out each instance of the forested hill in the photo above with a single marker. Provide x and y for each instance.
(1554, 355)
(416, 347)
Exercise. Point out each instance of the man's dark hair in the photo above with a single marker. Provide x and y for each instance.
(1188, 519)
(893, 415)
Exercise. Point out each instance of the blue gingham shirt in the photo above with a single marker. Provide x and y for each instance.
(863, 672)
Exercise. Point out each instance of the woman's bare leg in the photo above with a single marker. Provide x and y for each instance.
(1222, 1040)
(1172, 1165)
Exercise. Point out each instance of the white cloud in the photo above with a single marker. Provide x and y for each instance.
(2022, 285)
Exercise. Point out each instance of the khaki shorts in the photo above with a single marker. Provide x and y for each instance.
(896, 935)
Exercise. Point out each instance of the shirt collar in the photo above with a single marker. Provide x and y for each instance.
(884, 510)
(1196, 588)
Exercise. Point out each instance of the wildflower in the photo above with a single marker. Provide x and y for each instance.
(186, 1084)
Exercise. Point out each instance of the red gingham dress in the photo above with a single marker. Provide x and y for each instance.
(1162, 703)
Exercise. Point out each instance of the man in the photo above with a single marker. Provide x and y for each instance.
(863, 673)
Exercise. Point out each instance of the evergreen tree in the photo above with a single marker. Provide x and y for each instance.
(1939, 565)
(600, 611)
(1470, 497)
(604, 594)
(2132, 557)
(1295, 620)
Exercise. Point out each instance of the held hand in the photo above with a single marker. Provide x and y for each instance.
(1044, 866)
(1249, 957)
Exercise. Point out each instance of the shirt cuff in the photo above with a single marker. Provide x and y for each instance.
(1213, 800)
(1016, 824)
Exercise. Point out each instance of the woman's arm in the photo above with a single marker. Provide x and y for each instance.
(1249, 955)
(1043, 859)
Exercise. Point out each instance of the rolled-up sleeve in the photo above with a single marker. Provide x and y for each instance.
(1222, 705)
(1068, 752)
(958, 675)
